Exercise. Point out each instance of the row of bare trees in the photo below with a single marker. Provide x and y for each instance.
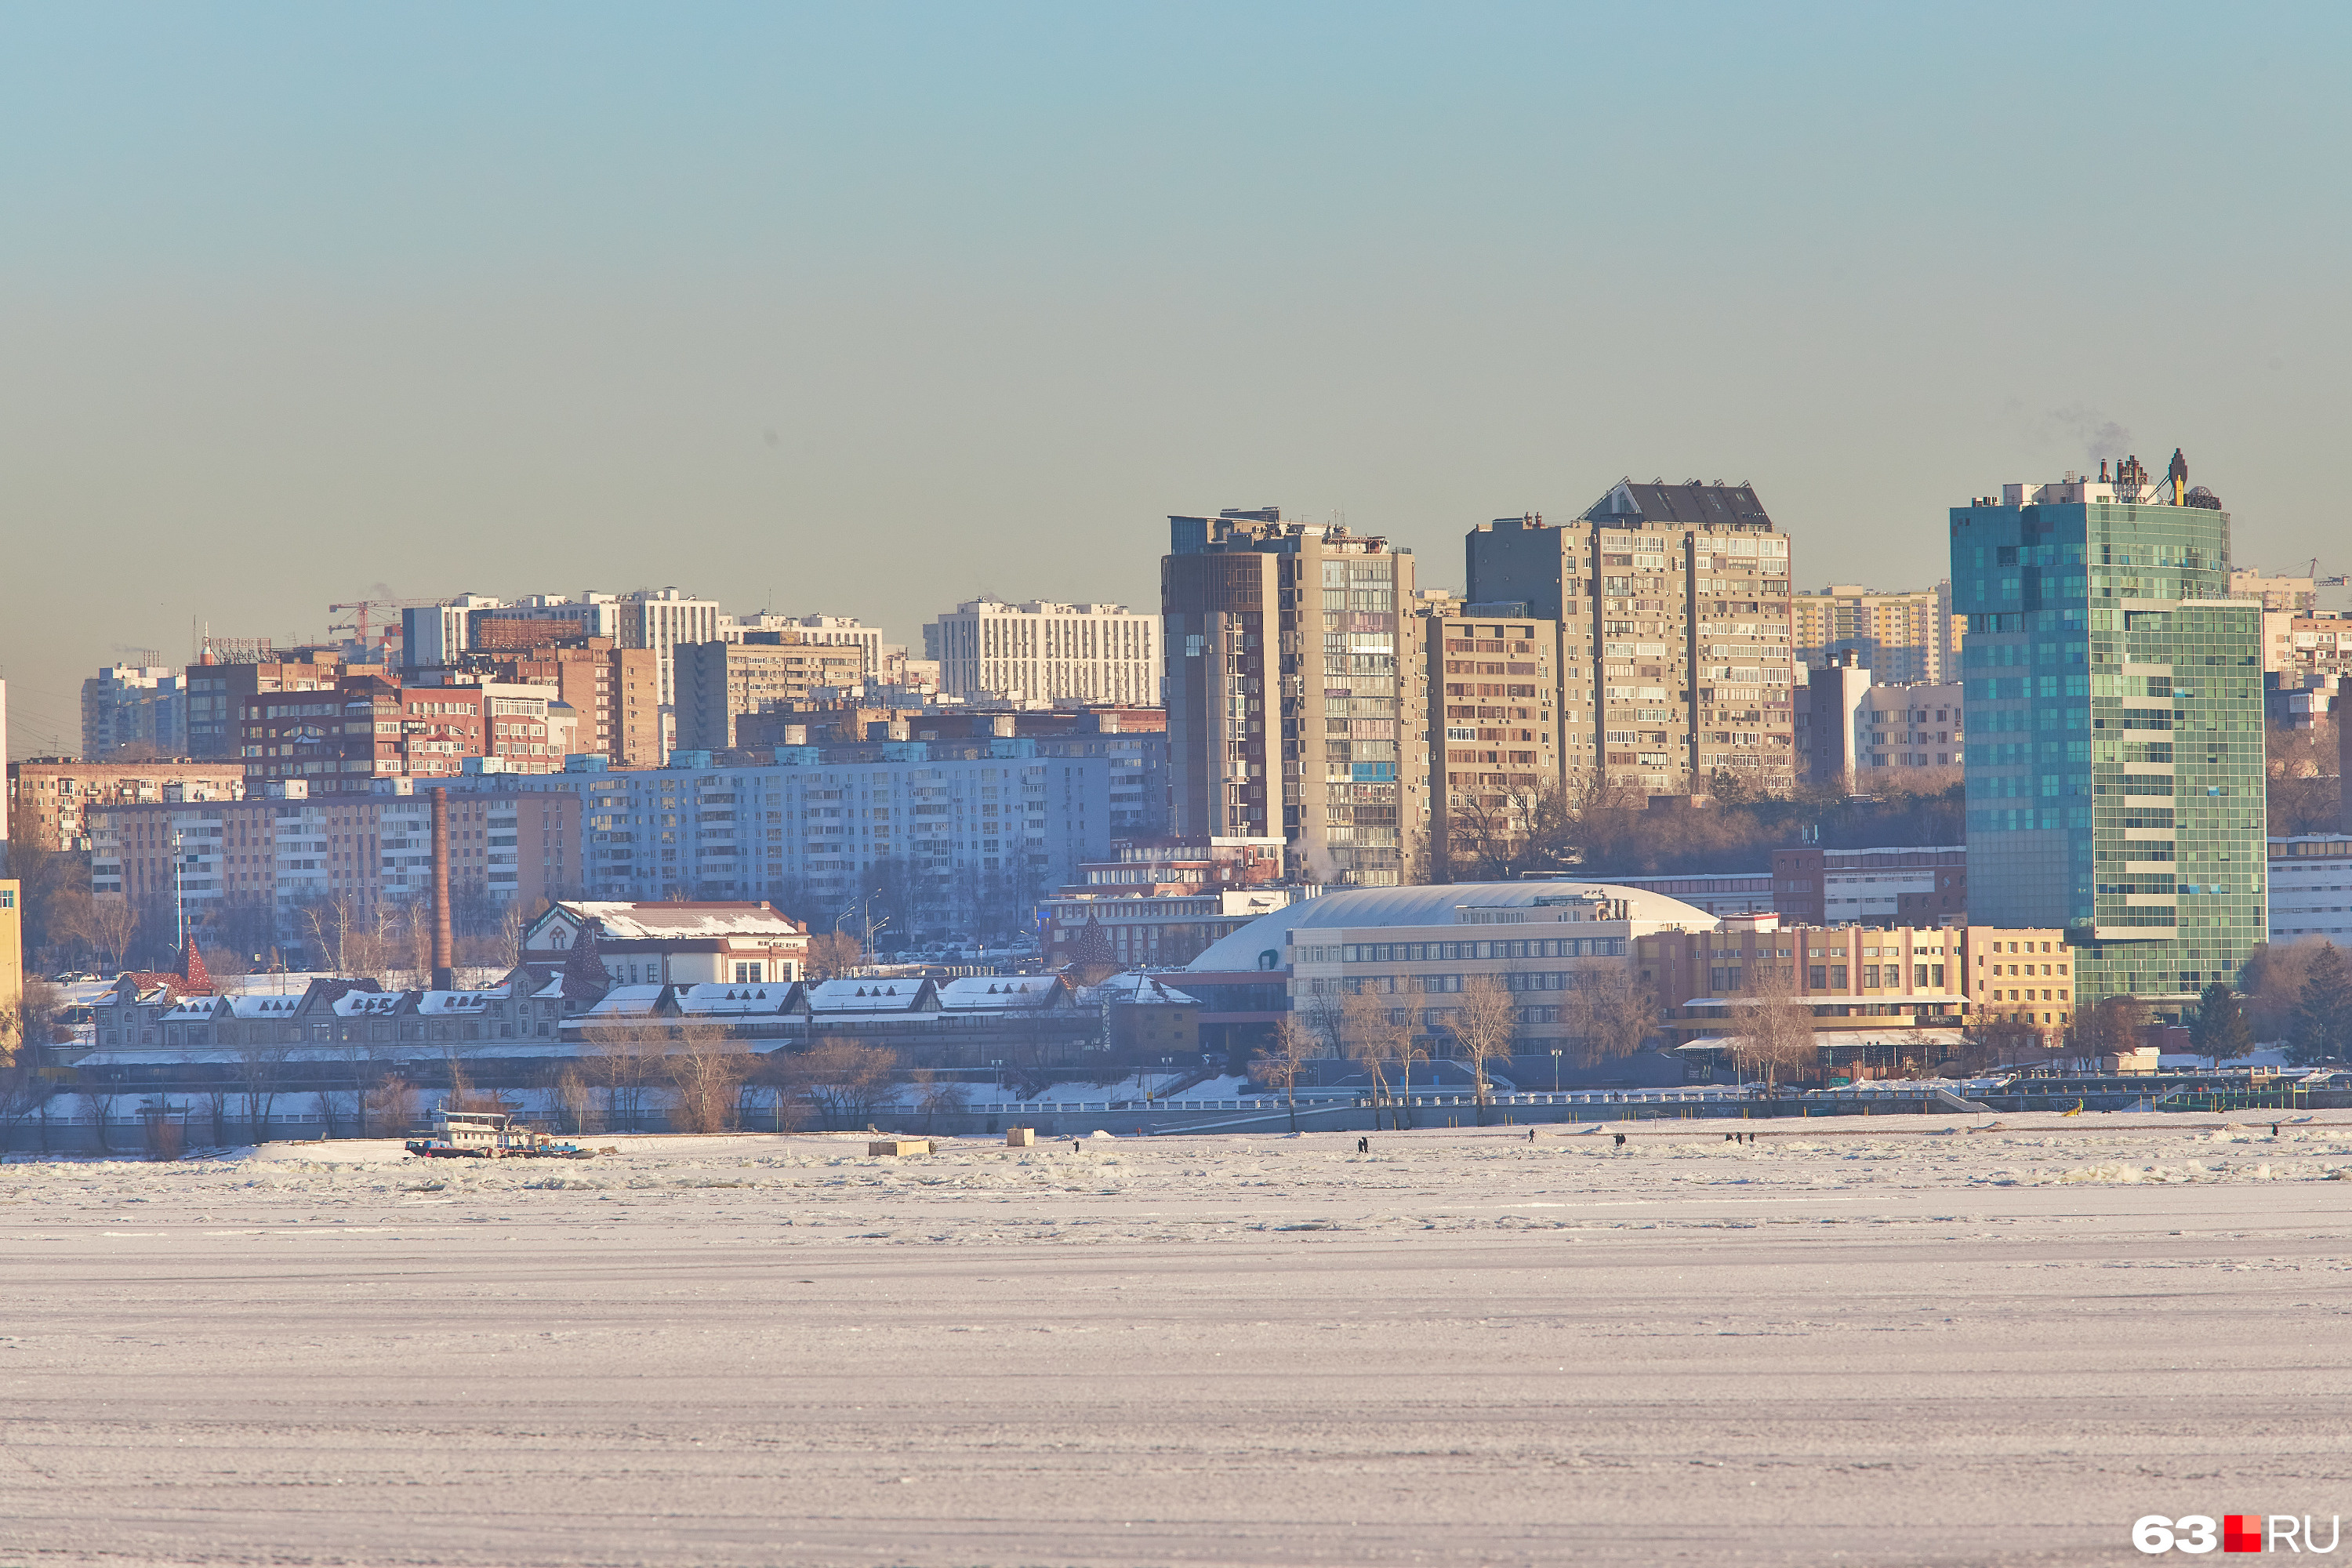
(1481, 1025)
(716, 1082)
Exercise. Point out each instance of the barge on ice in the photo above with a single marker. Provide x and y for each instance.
(488, 1135)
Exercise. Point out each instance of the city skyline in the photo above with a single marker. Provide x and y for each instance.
(453, 292)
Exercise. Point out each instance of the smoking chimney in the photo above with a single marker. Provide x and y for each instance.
(443, 977)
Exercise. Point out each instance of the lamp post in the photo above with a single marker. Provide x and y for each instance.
(1555, 1069)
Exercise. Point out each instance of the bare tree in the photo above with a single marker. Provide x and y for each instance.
(113, 925)
(1612, 1013)
(1486, 1025)
(393, 1102)
(102, 1094)
(1281, 1063)
(1381, 1043)
(832, 954)
(622, 1059)
(260, 1073)
(942, 1099)
(575, 1098)
(1774, 1032)
(707, 1067)
(845, 1084)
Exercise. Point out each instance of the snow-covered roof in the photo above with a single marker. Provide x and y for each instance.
(367, 1003)
(870, 995)
(1136, 987)
(627, 1002)
(264, 1006)
(674, 921)
(1363, 908)
(722, 1000)
(432, 1003)
(997, 993)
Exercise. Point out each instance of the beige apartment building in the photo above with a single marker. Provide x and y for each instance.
(1495, 746)
(49, 797)
(1904, 639)
(719, 682)
(1673, 603)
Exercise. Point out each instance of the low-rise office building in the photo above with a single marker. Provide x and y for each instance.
(1860, 977)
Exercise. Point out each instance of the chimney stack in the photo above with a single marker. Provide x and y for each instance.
(444, 978)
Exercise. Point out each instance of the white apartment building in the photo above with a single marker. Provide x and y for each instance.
(134, 705)
(1042, 651)
(656, 618)
(1900, 728)
(951, 827)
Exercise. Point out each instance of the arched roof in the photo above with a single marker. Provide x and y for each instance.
(1426, 906)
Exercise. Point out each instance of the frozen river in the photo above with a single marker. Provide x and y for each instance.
(1839, 1343)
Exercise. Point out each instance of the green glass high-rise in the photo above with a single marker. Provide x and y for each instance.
(2115, 730)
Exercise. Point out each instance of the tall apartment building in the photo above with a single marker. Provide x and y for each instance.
(268, 859)
(2115, 765)
(1295, 692)
(665, 620)
(1673, 602)
(721, 681)
(1495, 749)
(1044, 651)
(432, 636)
(51, 797)
(134, 707)
(1908, 639)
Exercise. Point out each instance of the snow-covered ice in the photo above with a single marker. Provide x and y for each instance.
(1907, 1339)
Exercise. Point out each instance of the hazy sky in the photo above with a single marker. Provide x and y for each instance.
(868, 308)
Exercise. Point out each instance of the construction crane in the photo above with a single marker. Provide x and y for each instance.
(363, 609)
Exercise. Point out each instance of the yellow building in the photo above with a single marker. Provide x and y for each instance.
(12, 950)
(1867, 978)
(2023, 974)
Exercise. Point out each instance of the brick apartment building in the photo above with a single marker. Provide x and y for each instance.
(341, 739)
(615, 690)
(218, 691)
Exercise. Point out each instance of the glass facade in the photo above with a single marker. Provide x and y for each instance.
(2114, 738)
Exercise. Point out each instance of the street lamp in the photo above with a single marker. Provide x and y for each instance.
(1555, 1069)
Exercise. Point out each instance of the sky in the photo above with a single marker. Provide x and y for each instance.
(867, 309)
